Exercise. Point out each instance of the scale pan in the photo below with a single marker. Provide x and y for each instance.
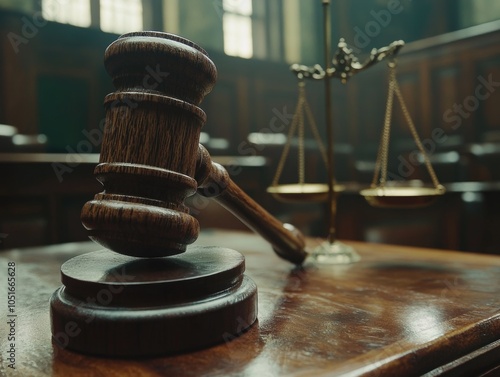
(401, 197)
(302, 192)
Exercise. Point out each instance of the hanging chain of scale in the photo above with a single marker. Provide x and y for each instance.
(300, 191)
(381, 193)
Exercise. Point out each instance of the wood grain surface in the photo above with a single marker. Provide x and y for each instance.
(400, 311)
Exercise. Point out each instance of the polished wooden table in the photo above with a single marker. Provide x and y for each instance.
(400, 311)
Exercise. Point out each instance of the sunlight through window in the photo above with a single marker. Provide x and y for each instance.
(121, 16)
(243, 7)
(74, 12)
(237, 26)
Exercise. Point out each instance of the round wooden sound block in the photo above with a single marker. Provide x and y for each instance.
(115, 305)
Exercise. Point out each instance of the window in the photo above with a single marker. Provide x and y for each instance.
(112, 16)
(478, 11)
(237, 28)
(121, 16)
(74, 12)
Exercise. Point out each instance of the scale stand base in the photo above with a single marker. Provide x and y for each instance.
(119, 306)
(333, 253)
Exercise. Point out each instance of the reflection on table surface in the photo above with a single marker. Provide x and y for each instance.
(399, 311)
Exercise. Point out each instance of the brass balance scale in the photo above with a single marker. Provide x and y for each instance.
(381, 193)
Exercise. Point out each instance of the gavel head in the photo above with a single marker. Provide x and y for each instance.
(150, 145)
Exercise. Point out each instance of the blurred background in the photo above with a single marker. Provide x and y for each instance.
(52, 86)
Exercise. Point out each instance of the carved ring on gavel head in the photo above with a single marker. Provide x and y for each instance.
(150, 157)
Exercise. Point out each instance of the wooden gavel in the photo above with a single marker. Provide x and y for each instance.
(151, 159)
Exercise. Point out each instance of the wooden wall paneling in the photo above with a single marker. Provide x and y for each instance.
(352, 130)
(340, 115)
(223, 109)
(423, 111)
(4, 44)
(446, 130)
(19, 62)
(488, 78)
(246, 117)
(25, 221)
(363, 117)
(85, 66)
(369, 105)
(52, 46)
(25, 210)
(315, 94)
(483, 107)
(466, 111)
(343, 156)
(444, 92)
(257, 87)
(6, 95)
(457, 51)
(410, 85)
(63, 106)
(73, 85)
(37, 208)
(352, 113)
(96, 116)
(274, 99)
(275, 106)
(316, 100)
(54, 218)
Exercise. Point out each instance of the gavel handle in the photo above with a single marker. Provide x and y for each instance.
(214, 181)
